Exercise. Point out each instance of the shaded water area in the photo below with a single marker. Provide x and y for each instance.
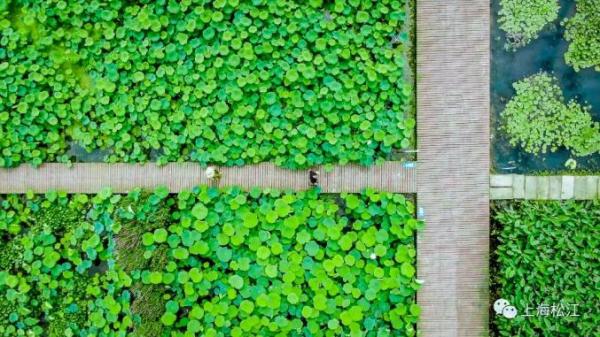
(80, 154)
(545, 53)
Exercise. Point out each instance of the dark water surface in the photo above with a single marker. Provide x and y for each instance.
(82, 156)
(545, 53)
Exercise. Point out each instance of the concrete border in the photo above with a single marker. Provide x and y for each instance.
(516, 186)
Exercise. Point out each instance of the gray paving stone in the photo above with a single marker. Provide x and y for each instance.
(501, 193)
(591, 187)
(501, 180)
(542, 188)
(580, 190)
(519, 186)
(530, 187)
(555, 187)
(567, 187)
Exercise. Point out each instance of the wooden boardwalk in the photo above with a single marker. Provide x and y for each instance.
(453, 55)
(91, 177)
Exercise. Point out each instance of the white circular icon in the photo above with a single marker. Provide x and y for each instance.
(499, 305)
(509, 312)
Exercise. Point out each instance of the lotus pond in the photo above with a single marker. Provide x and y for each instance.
(208, 262)
(224, 82)
(545, 83)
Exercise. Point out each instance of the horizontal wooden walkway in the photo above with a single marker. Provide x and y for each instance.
(453, 54)
(91, 177)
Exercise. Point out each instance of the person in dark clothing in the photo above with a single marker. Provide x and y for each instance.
(313, 176)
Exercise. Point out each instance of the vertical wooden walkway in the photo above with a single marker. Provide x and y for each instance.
(453, 54)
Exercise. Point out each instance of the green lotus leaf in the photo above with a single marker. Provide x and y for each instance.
(407, 269)
(199, 211)
(250, 220)
(236, 281)
(180, 253)
(168, 318)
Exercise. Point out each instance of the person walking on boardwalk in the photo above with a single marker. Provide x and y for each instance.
(313, 177)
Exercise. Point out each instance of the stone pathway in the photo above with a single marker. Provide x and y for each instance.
(514, 186)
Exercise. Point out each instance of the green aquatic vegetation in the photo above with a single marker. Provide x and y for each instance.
(282, 263)
(61, 280)
(222, 82)
(522, 21)
(538, 119)
(140, 213)
(583, 33)
(546, 258)
(11, 254)
(148, 302)
(209, 262)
